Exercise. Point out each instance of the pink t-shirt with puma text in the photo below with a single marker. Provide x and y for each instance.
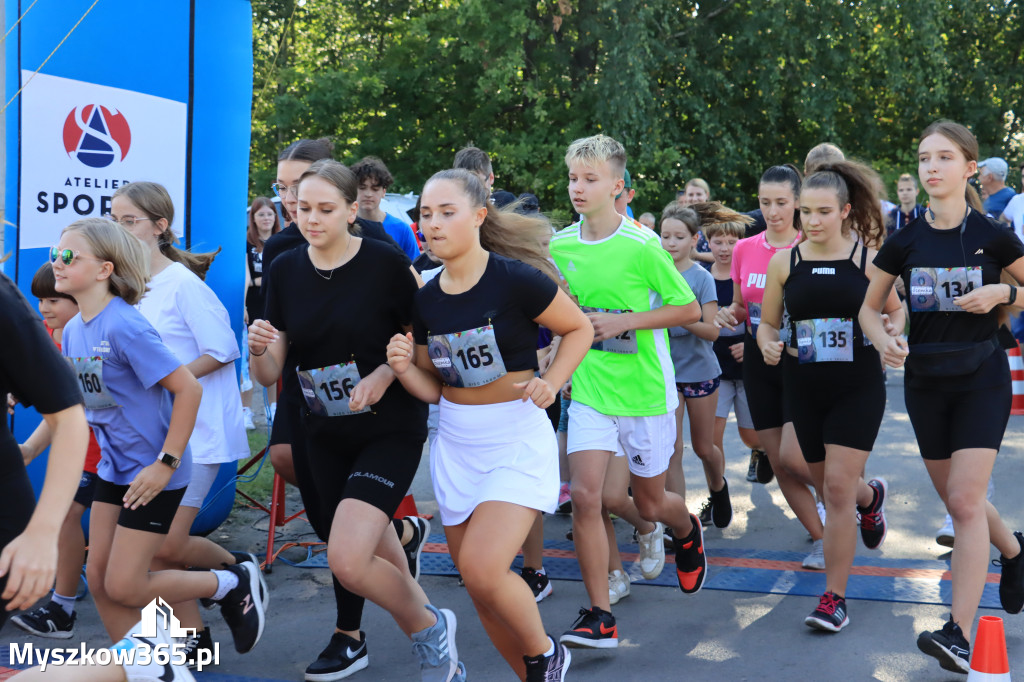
(750, 270)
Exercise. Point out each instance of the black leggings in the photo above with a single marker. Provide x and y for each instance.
(18, 503)
(286, 423)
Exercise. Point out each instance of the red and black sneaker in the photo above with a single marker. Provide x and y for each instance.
(872, 517)
(691, 563)
(594, 629)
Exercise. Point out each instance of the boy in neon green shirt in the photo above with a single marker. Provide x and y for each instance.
(624, 393)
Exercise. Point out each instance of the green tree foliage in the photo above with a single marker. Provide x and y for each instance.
(718, 89)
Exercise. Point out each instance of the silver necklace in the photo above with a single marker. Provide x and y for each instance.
(328, 277)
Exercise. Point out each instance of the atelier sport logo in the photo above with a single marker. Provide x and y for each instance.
(96, 135)
(158, 644)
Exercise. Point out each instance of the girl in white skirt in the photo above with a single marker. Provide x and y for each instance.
(473, 350)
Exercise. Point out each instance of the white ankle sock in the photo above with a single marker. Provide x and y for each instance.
(66, 603)
(226, 581)
(551, 649)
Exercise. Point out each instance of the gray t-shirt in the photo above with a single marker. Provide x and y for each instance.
(693, 357)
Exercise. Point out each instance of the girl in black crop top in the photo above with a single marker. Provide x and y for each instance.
(473, 349)
(957, 382)
(833, 382)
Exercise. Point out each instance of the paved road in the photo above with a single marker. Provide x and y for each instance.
(716, 635)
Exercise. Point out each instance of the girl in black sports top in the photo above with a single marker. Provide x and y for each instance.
(332, 306)
(957, 381)
(473, 350)
(833, 381)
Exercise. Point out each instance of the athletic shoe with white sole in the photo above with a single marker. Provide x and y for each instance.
(946, 535)
(435, 647)
(948, 646)
(652, 552)
(873, 526)
(618, 586)
(548, 668)
(816, 559)
(242, 607)
(49, 621)
(539, 583)
(594, 629)
(342, 657)
(152, 671)
(414, 549)
(830, 614)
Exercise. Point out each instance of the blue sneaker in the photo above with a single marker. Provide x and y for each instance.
(435, 646)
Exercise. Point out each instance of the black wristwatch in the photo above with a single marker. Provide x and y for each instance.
(169, 459)
(1013, 294)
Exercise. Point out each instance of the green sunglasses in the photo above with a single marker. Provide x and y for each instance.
(67, 256)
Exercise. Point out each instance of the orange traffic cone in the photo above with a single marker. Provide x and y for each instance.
(408, 508)
(989, 662)
(1017, 377)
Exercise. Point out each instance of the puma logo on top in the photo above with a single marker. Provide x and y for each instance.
(823, 271)
(757, 280)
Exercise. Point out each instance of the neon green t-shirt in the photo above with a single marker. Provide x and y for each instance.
(628, 271)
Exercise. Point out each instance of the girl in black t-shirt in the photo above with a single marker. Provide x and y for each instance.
(28, 537)
(263, 223)
(957, 381)
(473, 350)
(332, 306)
(833, 380)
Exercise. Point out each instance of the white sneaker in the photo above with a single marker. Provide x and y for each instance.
(945, 535)
(652, 552)
(247, 419)
(816, 559)
(618, 586)
(821, 512)
(273, 412)
(166, 672)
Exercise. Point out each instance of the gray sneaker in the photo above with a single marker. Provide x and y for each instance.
(435, 647)
(816, 559)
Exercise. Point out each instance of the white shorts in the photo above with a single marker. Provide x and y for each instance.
(731, 396)
(506, 452)
(203, 476)
(646, 442)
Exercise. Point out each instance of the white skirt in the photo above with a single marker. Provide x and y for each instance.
(506, 452)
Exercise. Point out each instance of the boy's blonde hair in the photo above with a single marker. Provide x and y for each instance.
(738, 230)
(111, 242)
(595, 150)
(906, 177)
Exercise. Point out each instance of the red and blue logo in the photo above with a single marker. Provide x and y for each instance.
(96, 135)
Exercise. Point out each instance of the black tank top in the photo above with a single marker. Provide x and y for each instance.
(819, 289)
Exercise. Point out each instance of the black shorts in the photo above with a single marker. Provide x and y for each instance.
(155, 517)
(359, 460)
(763, 385)
(86, 488)
(945, 421)
(835, 403)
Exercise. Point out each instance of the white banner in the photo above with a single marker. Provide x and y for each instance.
(81, 141)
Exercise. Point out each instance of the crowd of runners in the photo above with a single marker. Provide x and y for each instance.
(548, 369)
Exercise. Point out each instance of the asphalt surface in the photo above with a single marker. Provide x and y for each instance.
(714, 635)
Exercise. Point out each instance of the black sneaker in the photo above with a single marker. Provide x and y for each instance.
(705, 512)
(47, 621)
(414, 549)
(872, 518)
(594, 629)
(242, 608)
(548, 668)
(538, 582)
(830, 614)
(765, 474)
(1011, 582)
(752, 468)
(342, 657)
(203, 640)
(721, 507)
(691, 562)
(249, 557)
(949, 646)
